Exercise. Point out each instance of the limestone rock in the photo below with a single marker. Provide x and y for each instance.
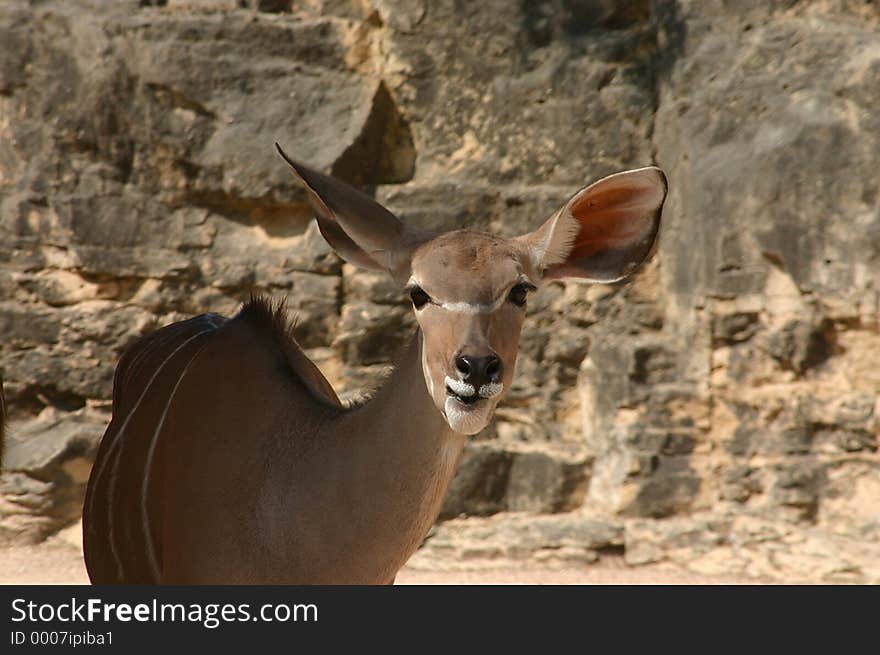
(497, 476)
(565, 539)
(46, 467)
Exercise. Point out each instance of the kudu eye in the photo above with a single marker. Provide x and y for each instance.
(519, 294)
(419, 297)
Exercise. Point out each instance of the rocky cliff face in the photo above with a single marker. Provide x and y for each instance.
(722, 410)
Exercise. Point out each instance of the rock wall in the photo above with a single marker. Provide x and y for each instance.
(721, 411)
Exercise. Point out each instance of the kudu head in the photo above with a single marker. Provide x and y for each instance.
(469, 289)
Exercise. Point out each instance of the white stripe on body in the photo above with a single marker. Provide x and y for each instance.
(148, 536)
(101, 465)
(118, 440)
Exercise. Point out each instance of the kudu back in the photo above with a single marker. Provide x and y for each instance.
(229, 458)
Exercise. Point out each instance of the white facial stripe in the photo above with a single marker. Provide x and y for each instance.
(463, 389)
(429, 381)
(469, 308)
(472, 308)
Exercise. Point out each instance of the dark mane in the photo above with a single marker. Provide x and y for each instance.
(271, 320)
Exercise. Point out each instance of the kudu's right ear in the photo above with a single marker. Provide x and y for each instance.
(358, 228)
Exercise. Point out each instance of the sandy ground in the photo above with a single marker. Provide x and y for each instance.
(59, 561)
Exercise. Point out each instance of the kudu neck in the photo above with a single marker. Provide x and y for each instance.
(404, 457)
(404, 409)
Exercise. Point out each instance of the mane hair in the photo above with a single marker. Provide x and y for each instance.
(272, 318)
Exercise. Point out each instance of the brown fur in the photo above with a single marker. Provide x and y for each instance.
(229, 458)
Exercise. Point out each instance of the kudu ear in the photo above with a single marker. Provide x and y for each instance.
(605, 231)
(358, 228)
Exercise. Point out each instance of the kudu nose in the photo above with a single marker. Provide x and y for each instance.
(478, 370)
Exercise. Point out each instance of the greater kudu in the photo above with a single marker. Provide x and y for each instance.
(229, 458)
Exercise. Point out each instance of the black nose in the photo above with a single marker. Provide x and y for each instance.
(478, 370)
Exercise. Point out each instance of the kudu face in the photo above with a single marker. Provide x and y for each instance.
(469, 289)
(469, 293)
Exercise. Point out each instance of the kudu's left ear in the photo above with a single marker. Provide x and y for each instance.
(605, 231)
(358, 228)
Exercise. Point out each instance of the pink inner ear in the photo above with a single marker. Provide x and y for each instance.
(612, 218)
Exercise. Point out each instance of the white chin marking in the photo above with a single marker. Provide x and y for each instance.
(466, 420)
